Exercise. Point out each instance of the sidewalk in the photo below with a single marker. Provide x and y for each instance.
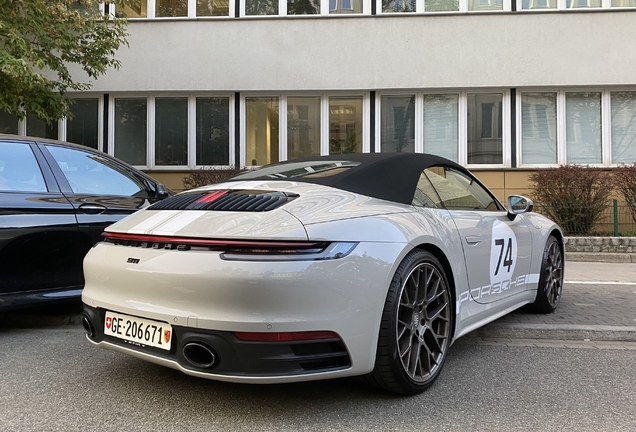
(598, 303)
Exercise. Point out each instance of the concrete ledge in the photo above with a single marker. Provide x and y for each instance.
(557, 332)
(606, 257)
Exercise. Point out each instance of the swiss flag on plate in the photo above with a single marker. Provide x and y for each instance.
(109, 321)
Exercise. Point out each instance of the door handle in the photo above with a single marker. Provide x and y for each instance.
(473, 239)
(92, 209)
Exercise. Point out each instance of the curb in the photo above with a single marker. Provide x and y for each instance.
(603, 257)
(557, 332)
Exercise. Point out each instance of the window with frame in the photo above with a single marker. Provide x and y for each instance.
(485, 128)
(171, 8)
(441, 116)
(8, 123)
(303, 126)
(397, 128)
(261, 130)
(583, 127)
(261, 7)
(485, 5)
(131, 125)
(623, 3)
(132, 9)
(441, 5)
(623, 126)
(303, 7)
(212, 131)
(345, 124)
(539, 128)
(210, 8)
(171, 131)
(571, 4)
(345, 6)
(538, 4)
(38, 128)
(83, 127)
(399, 6)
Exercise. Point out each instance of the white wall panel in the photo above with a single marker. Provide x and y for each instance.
(385, 52)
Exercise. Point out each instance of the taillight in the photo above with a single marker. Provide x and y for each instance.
(239, 250)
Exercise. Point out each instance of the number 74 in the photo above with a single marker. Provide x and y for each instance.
(507, 259)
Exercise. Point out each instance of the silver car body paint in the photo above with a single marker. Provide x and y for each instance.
(199, 289)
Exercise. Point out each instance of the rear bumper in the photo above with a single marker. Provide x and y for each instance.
(234, 359)
(205, 297)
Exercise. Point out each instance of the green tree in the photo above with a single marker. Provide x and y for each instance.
(39, 39)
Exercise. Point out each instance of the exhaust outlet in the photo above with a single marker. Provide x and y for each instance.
(199, 354)
(88, 326)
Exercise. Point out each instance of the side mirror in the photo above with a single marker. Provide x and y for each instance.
(162, 191)
(518, 204)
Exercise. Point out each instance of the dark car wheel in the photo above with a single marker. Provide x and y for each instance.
(415, 330)
(550, 278)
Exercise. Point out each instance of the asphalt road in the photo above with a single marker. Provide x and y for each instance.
(53, 379)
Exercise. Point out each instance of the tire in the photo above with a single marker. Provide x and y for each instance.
(550, 279)
(415, 331)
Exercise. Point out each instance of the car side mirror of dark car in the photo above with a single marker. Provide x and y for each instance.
(162, 191)
(518, 204)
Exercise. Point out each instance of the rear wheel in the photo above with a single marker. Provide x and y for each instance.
(415, 331)
(550, 278)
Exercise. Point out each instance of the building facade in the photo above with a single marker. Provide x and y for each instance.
(503, 87)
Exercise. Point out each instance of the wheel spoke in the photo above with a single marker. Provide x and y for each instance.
(436, 312)
(414, 358)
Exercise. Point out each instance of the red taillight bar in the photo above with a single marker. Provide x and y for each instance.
(208, 242)
(285, 336)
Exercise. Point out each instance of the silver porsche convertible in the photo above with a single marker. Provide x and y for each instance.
(348, 265)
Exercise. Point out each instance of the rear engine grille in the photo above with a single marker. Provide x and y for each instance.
(226, 200)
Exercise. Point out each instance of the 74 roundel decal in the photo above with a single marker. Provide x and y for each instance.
(507, 260)
(503, 253)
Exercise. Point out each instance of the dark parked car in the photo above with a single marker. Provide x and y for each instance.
(55, 201)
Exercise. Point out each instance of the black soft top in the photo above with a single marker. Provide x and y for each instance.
(387, 176)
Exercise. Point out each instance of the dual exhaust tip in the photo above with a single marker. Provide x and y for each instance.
(198, 354)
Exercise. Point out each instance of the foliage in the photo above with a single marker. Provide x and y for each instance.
(344, 146)
(207, 176)
(39, 39)
(574, 196)
(625, 182)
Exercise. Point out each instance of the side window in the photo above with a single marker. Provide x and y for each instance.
(19, 169)
(459, 191)
(425, 195)
(90, 173)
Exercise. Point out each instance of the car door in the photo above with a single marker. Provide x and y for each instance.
(40, 247)
(101, 189)
(497, 250)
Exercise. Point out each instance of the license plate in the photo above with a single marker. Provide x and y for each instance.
(138, 331)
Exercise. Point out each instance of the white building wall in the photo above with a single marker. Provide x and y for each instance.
(470, 50)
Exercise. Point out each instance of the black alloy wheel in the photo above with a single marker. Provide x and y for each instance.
(415, 331)
(550, 279)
